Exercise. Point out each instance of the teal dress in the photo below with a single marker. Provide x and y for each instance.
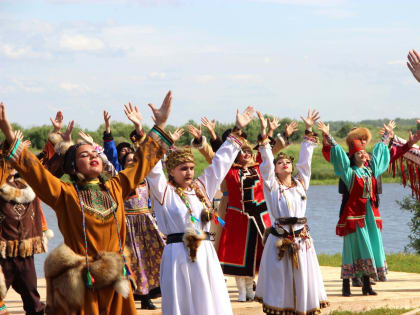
(360, 223)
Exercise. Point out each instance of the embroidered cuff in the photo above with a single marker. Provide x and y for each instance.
(13, 152)
(107, 136)
(199, 144)
(164, 140)
(331, 140)
(310, 137)
(236, 139)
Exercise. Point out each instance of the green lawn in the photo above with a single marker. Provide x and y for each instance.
(379, 311)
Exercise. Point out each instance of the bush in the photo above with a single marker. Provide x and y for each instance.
(411, 204)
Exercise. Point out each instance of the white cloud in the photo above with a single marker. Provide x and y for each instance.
(204, 78)
(335, 13)
(158, 75)
(397, 62)
(81, 42)
(244, 77)
(73, 87)
(13, 52)
(28, 85)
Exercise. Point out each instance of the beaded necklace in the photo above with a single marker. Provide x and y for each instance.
(126, 269)
(207, 211)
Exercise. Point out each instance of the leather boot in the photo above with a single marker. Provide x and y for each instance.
(346, 287)
(367, 288)
(240, 283)
(249, 284)
(146, 303)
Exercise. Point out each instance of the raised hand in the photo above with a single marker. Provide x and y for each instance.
(161, 115)
(5, 125)
(107, 120)
(312, 117)
(273, 125)
(291, 128)
(325, 129)
(210, 125)
(67, 134)
(134, 115)
(413, 63)
(176, 134)
(27, 143)
(58, 121)
(390, 128)
(86, 138)
(263, 124)
(195, 132)
(413, 138)
(245, 118)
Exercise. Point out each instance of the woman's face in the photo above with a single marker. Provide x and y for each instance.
(129, 160)
(88, 161)
(123, 152)
(283, 167)
(360, 157)
(244, 156)
(183, 174)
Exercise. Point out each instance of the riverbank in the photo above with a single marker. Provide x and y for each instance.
(402, 290)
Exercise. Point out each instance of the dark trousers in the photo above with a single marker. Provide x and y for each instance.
(20, 274)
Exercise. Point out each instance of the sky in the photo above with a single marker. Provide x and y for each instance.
(345, 58)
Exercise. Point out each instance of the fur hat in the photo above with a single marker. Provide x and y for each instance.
(359, 133)
(178, 156)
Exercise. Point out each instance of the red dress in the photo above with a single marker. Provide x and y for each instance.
(240, 246)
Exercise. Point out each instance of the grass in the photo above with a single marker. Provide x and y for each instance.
(378, 311)
(396, 261)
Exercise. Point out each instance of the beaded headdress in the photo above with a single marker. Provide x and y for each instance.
(178, 156)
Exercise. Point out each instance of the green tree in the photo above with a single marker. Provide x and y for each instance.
(413, 205)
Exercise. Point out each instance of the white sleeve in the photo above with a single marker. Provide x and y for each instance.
(214, 174)
(157, 181)
(267, 166)
(305, 159)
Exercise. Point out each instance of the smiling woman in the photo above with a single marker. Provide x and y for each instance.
(91, 217)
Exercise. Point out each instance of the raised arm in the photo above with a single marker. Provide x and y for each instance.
(109, 145)
(149, 153)
(380, 155)
(338, 156)
(267, 166)
(222, 161)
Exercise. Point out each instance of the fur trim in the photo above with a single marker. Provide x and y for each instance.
(46, 235)
(358, 133)
(55, 138)
(3, 288)
(61, 147)
(192, 241)
(18, 195)
(66, 273)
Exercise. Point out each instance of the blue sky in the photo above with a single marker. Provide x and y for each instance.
(345, 58)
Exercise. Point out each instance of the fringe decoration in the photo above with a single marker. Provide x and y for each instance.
(90, 280)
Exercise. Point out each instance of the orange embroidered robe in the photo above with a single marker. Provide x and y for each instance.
(101, 233)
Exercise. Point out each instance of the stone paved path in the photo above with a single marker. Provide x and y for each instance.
(402, 290)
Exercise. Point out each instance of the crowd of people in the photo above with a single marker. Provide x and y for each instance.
(138, 223)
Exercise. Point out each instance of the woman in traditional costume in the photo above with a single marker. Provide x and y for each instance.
(360, 223)
(289, 280)
(91, 217)
(144, 242)
(240, 246)
(191, 278)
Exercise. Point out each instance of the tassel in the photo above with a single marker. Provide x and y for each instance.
(90, 280)
(127, 270)
(222, 223)
(194, 219)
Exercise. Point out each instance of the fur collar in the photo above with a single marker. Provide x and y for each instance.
(18, 195)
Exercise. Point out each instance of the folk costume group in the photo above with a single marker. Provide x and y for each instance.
(132, 232)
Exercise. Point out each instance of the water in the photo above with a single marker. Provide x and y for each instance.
(322, 213)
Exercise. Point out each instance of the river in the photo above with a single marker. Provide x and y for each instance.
(322, 213)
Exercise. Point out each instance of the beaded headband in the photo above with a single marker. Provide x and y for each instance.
(178, 156)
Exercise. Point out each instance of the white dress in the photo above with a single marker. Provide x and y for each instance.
(191, 288)
(281, 287)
